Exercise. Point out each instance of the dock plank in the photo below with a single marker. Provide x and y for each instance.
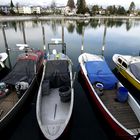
(7, 103)
(121, 111)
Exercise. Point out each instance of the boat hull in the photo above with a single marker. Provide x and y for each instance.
(123, 63)
(64, 114)
(127, 76)
(119, 132)
(21, 102)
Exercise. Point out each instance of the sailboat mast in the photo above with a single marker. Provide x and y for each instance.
(6, 45)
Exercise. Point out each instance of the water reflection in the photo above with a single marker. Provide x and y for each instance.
(117, 36)
(122, 34)
(71, 25)
(128, 25)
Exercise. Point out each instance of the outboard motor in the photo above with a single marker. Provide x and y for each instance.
(21, 87)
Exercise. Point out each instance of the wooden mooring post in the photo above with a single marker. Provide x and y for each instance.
(6, 45)
(24, 36)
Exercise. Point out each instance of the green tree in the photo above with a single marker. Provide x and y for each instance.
(81, 7)
(78, 2)
(95, 9)
(53, 6)
(11, 4)
(112, 10)
(121, 10)
(17, 7)
(132, 7)
(12, 7)
(71, 4)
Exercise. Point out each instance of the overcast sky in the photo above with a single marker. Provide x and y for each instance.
(124, 3)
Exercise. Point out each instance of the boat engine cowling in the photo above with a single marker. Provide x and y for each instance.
(21, 87)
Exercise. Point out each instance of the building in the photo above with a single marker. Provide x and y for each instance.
(102, 11)
(47, 10)
(61, 9)
(69, 12)
(36, 10)
(5, 9)
(24, 10)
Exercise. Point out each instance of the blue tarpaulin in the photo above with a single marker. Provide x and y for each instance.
(98, 71)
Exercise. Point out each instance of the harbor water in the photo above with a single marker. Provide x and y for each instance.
(97, 36)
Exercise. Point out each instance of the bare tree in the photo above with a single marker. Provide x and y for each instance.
(17, 7)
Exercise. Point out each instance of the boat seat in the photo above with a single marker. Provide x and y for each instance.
(57, 121)
(46, 87)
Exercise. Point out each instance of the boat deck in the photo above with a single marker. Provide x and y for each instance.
(121, 111)
(6, 103)
(53, 109)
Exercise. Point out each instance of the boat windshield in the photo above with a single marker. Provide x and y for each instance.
(135, 69)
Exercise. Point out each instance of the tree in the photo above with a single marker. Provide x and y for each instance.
(12, 8)
(17, 7)
(11, 5)
(95, 9)
(121, 10)
(53, 5)
(78, 2)
(132, 7)
(71, 4)
(81, 7)
(112, 10)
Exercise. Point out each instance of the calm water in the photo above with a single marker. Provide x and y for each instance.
(122, 36)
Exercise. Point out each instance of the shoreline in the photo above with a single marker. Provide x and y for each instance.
(22, 18)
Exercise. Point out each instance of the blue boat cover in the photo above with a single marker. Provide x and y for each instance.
(98, 71)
